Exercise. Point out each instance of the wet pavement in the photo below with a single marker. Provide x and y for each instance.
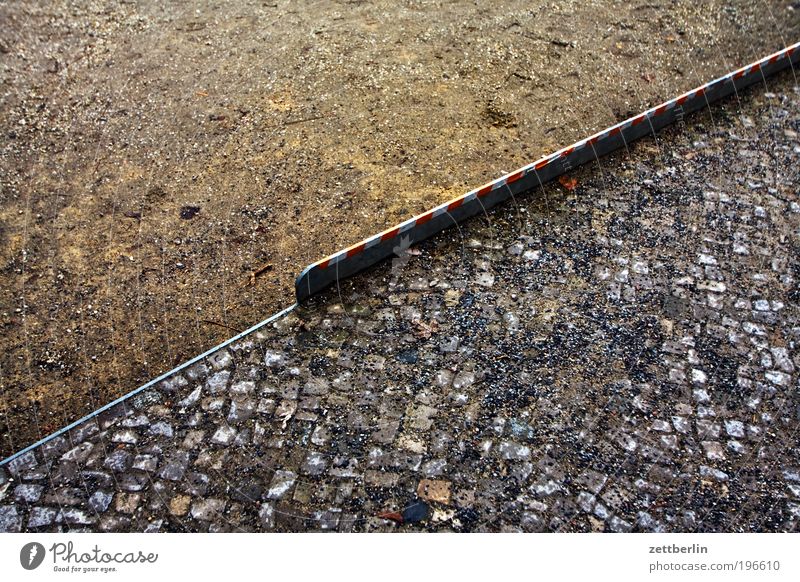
(618, 356)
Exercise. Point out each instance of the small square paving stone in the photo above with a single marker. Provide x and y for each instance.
(435, 490)
(193, 439)
(267, 515)
(100, 500)
(224, 435)
(119, 460)
(241, 410)
(76, 516)
(54, 447)
(163, 429)
(221, 359)
(41, 517)
(145, 399)
(421, 416)
(175, 467)
(321, 436)
(514, 451)
(281, 483)
(328, 520)
(385, 434)
(82, 432)
(218, 382)
(65, 496)
(134, 481)
(314, 464)
(10, 519)
(714, 450)
(191, 399)
(112, 523)
(23, 463)
(243, 387)
(78, 454)
(127, 502)
(173, 383)
(136, 421)
(207, 509)
(145, 463)
(96, 479)
(196, 483)
(434, 467)
(303, 492)
(381, 478)
(28, 493)
(127, 436)
(179, 505)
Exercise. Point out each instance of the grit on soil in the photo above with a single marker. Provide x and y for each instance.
(153, 157)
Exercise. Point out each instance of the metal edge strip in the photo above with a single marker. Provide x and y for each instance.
(317, 276)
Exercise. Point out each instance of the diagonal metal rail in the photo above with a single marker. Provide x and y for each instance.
(372, 250)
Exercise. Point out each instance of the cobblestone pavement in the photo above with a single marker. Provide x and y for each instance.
(621, 356)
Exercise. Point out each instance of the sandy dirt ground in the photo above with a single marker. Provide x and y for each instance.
(152, 157)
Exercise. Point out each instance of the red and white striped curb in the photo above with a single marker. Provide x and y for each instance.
(368, 252)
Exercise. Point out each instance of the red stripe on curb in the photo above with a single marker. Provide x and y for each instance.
(424, 218)
(356, 249)
(391, 234)
(514, 177)
(455, 204)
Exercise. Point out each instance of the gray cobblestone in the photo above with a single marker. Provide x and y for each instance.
(119, 460)
(41, 517)
(22, 463)
(100, 500)
(281, 483)
(207, 509)
(28, 493)
(10, 519)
